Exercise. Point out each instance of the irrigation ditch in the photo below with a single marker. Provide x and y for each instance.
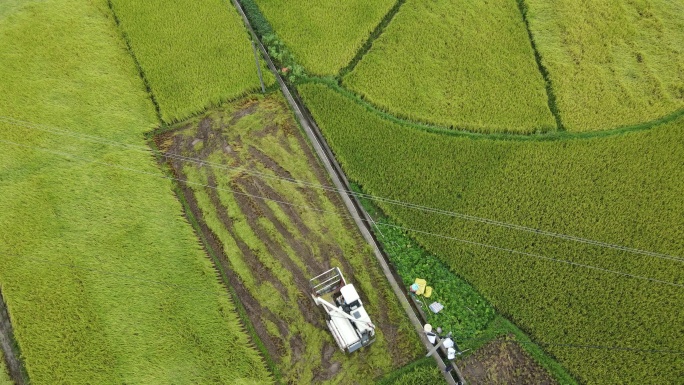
(10, 349)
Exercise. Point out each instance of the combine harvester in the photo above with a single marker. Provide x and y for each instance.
(347, 320)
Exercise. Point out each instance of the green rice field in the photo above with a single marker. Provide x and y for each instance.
(194, 54)
(103, 277)
(324, 36)
(463, 65)
(622, 189)
(161, 217)
(611, 64)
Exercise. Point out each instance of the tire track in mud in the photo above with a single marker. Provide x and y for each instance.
(255, 208)
(262, 272)
(285, 235)
(390, 329)
(242, 295)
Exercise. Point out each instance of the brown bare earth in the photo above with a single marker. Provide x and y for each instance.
(273, 235)
(503, 361)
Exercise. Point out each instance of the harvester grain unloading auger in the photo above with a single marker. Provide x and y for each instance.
(347, 320)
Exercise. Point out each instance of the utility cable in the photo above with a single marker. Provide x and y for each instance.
(214, 293)
(357, 194)
(68, 155)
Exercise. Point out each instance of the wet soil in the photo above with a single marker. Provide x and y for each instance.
(502, 362)
(239, 151)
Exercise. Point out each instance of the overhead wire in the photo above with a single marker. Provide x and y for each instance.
(305, 207)
(173, 285)
(220, 294)
(354, 193)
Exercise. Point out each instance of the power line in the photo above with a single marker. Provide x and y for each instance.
(345, 215)
(533, 255)
(220, 294)
(344, 191)
(584, 346)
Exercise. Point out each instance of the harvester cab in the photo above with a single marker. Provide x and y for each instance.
(346, 318)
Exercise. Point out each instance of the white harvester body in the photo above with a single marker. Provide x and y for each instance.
(347, 320)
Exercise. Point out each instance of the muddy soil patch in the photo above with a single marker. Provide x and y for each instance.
(273, 239)
(503, 361)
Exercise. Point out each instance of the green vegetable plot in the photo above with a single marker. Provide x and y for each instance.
(104, 279)
(611, 63)
(194, 54)
(622, 189)
(466, 65)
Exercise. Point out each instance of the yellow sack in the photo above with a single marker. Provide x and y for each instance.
(421, 286)
(428, 292)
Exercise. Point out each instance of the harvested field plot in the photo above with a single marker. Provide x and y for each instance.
(104, 280)
(324, 36)
(611, 63)
(622, 189)
(194, 54)
(469, 65)
(503, 362)
(273, 246)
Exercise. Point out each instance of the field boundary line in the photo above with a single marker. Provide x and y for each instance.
(551, 95)
(374, 35)
(141, 71)
(464, 133)
(353, 206)
(9, 347)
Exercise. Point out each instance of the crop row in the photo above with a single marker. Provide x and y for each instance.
(192, 54)
(465, 65)
(324, 36)
(103, 278)
(611, 63)
(621, 189)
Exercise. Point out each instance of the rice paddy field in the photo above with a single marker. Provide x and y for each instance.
(193, 54)
(273, 235)
(464, 65)
(611, 64)
(324, 36)
(622, 189)
(549, 136)
(104, 279)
